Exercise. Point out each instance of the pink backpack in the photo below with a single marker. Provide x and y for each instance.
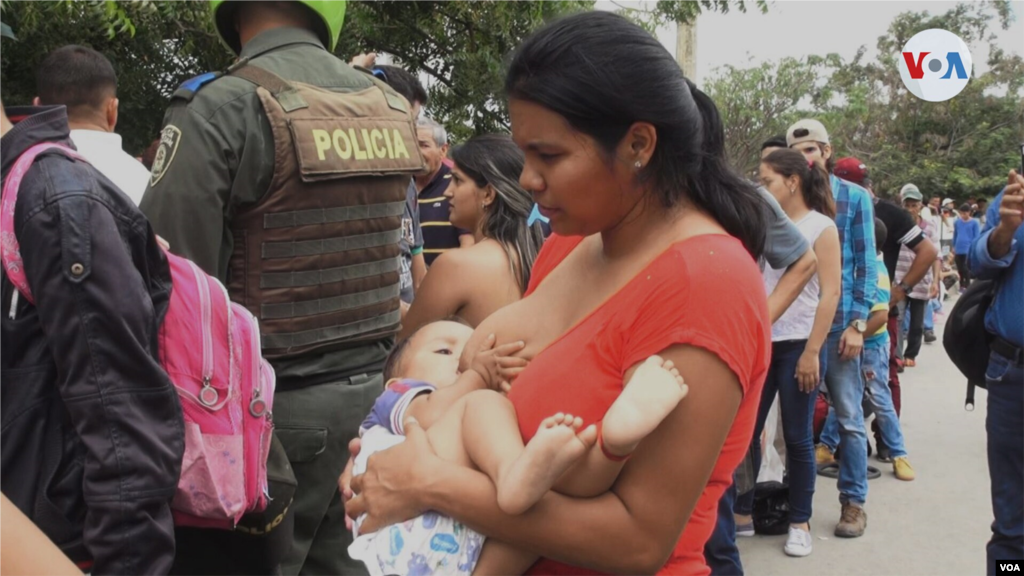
(210, 348)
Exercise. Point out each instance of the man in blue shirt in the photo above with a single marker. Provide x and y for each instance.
(965, 231)
(997, 254)
(843, 378)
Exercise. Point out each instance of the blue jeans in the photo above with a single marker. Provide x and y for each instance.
(878, 400)
(845, 385)
(720, 551)
(930, 309)
(797, 409)
(1005, 427)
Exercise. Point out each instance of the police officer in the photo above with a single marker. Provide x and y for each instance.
(285, 176)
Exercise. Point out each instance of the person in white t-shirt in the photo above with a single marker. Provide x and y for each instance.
(84, 80)
(803, 191)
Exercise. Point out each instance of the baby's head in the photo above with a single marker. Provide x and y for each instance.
(431, 354)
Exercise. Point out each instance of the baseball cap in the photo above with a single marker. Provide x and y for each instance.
(806, 130)
(910, 192)
(948, 201)
(851, 169)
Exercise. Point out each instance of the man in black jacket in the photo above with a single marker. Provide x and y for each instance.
(92, 435)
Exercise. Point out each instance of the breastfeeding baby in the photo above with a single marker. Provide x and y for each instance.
(470, 423)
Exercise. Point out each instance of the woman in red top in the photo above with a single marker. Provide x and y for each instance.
(652, 255)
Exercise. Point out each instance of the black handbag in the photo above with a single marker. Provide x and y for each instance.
(771, 508)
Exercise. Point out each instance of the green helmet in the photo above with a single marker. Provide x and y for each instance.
(330, 12)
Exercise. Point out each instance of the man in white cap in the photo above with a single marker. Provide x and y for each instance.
(926, 287)
(856, 224)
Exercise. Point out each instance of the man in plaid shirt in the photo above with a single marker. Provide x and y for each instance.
(843, 378)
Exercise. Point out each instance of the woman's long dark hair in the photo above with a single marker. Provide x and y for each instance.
(814, 181)
(494, 159)
(603, 73)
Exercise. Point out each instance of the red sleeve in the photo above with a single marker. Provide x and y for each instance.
(554, 250)
(685, 301)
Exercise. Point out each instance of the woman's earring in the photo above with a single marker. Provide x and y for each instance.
(638, 165)
(792, 191)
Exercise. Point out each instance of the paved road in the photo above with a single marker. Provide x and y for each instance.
(935, 525)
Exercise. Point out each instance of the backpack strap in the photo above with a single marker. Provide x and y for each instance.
(10, 250)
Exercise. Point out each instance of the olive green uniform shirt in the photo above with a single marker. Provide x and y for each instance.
(217, 157)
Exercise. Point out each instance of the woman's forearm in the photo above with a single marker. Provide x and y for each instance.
(551, 528)
(823, 317)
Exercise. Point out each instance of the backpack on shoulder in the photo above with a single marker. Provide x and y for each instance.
(966, 340)
(210, 349)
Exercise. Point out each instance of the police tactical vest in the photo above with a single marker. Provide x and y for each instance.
(317, 259)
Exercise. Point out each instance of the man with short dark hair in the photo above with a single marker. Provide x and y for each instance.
(93, 435)
(405, 83)
(965, 230)
(772, 144)
(84, 80)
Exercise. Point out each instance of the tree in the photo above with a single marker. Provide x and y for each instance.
(155, 45)
(960, 148)
(761, 102)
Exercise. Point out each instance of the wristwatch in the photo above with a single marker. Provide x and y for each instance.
(902, 286)
(859, 325)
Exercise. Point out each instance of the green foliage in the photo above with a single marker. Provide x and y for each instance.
(960, 148)
(155, 45)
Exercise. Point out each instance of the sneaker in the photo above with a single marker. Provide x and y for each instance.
(903, 470)
(823, 455)
(884, 455)
(745, 530)
(853, 522)
(929, 336)
(798, 543)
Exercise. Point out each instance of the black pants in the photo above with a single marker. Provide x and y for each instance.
(961, 268)
(915, 335)
(315, 425)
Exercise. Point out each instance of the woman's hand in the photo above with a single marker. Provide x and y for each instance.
(496, 365)
(345, 481)
(808, 371)
(391, 489)
(933, 291)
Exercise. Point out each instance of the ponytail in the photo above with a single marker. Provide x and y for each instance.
(817, 191)
(815, 185)
(717, 189)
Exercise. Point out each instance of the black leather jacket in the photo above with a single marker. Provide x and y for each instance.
(91, 439)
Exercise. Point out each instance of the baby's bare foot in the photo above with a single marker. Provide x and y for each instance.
(650, 395)
(552, 450)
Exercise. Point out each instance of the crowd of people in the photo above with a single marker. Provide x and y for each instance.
(455, 380)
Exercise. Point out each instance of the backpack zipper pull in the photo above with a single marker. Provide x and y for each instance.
(14, 305)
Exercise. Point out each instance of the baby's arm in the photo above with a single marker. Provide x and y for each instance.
(488, 371)
(428, 408)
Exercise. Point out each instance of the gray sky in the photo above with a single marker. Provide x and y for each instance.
(800, 28)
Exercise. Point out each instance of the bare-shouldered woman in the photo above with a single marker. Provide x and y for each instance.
(485, 197)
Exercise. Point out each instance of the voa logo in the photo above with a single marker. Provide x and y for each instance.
(935, 65)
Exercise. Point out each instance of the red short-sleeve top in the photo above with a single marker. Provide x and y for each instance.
(705, 291)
